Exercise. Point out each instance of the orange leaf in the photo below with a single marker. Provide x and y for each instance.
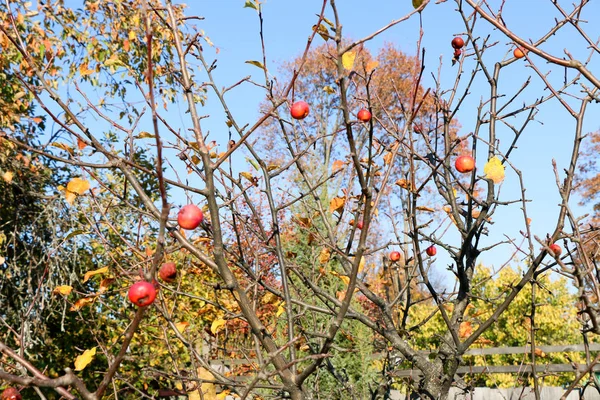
(65, 290)
(79, 304)
(81, 144)
(89, 274)
(337, 165)
(337, 204)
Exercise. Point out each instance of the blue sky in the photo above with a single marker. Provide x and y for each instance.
(234, 30)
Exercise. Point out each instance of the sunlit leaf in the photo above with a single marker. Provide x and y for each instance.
(84, 359)
(337, 204)
(348, 59)
(144, 135)
(216, 325)
(78, 186)
(65, 290)
(89, 274)
(8, 176)
(280, 309)
(181, 326)
(62, 146)
(494, 170)
(105, 284)
(465, 329)
(361, 265)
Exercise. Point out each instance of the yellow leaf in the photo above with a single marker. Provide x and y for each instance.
(361, 265)
(65, 290)
(84, 359)
(280, 309)
(132, 35)
(328, 89)
(223, 395)
(348, 59)
(325, 255)
(8, 176)
(494, 170)
(209, 390)
(181, 326)
(216, 325)
(2, 259)
(144, 135)
(84, 70)
(78, 186)
(337, 165)
(272, 167)
(89, 274)
(62, 146)
(337, 204)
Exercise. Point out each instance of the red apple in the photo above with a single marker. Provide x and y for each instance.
(458, 43)
(555, 249)
(464, 164)
(10, 393)
(431, 251)
(142, 293)
(168, 272)
(299, 110)
(395, 256)
(364, 115)
(189, 217)
(519, 53)
(359, 225)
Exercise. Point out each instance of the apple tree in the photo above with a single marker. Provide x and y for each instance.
(285, 262)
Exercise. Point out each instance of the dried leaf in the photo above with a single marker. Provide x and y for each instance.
(144, 135)
(216, 325)
(539, 352)
(272, 167)
(250, 4)
(325, 255)
(79, 304)
(328, 89)
(388, 158)
(465, 329)
(84, 359)
(105, 284)
(404, 184)
(361, 265)
(424, 208)
(89, 274)
(62, 146)
(337, 204)
(494, 170)
(65, 290)
(337, 165)
(81, 144)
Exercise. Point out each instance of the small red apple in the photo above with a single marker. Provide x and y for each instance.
(556, 249)
(168, 272)
(299, 110)
(458, 43)
(359, 225)
(519, 52)
(464, 164)
(364, 115)
(10, 393)
(189, 217)
(431, 251)
(142, 293)
(395, 256)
